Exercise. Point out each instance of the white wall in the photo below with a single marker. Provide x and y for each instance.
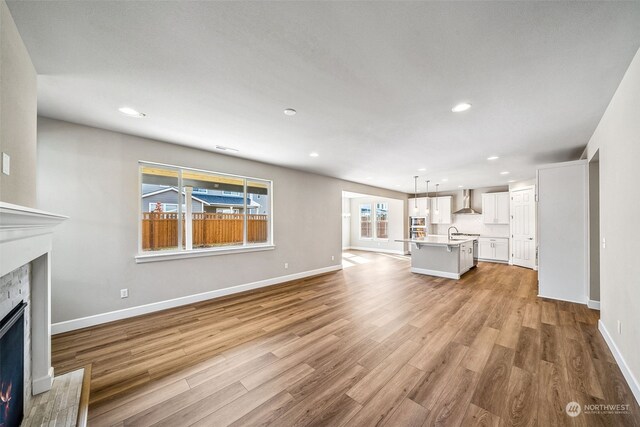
(562, 231)
(18, 114)
(91, 175)
(396, 225)
(617, 138)
(346, 223)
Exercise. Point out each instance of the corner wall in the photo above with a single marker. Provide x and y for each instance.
(91, 175)
(617, 138)
(18, 114)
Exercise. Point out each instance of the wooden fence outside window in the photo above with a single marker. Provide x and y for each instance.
(160, 229)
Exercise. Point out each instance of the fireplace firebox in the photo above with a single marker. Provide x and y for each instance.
(12, 367)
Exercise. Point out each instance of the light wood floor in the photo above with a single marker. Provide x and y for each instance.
(370, 345)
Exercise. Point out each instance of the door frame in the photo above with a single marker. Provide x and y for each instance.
(535, 223)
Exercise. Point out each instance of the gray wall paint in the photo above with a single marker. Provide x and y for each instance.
(18, 114)
(396, 228)
(616, 141)
(93, 256)
(594, 231)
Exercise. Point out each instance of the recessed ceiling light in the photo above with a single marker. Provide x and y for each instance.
(445, 179)
(463, 106)
(504, 173)
(512, 180)
(313, 154)
(290, 112)
(369, 177)
(460, 186)
(493, 158)
(422, 169)
(223, 148)
(128, 111)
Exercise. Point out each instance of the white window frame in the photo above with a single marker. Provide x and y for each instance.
(375, 222)
(360, 221)
(179, 253)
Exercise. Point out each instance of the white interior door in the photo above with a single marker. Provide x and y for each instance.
(523, 227)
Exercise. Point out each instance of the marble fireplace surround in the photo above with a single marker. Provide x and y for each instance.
(25, 237)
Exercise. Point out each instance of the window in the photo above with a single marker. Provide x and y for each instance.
(382, 223)
(207, 220)
(365, 222)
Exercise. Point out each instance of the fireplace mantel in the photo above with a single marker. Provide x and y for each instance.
(25, 237)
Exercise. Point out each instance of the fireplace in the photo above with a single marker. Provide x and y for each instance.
(12, 367)
(25, 281)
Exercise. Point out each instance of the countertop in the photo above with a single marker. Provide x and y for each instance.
(437, 240)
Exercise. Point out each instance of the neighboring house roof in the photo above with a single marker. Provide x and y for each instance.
(211, 200)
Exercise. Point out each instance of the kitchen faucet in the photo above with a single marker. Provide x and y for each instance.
(449, 231)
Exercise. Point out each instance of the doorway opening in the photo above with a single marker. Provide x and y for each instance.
(594, 231)
(371, 223)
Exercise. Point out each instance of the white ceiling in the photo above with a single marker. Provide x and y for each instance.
(373, 82)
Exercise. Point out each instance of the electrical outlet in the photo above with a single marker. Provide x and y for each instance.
(124, 293)
(286, 265)
(333, 258)
(604, 243)
(619, 327)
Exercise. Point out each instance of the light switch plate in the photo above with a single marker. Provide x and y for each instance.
(6, 164)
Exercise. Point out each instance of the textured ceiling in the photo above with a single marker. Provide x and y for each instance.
(373, 82)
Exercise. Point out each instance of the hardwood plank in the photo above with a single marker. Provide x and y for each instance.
(452, 404)
(527, 353)
(374, 380)
(408, 414)
(344, 331)
(205, 415)
(553, 395)
(494, 380)
(437, 375)
(387, 400)
(480, 349)
(477, 416)
(522, 404)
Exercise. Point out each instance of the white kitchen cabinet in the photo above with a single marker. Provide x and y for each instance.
(466, 256)
(422, 206)
(493, 249)
(440, 208)
(495, 208)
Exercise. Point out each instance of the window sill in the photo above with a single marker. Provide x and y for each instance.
(196, 253)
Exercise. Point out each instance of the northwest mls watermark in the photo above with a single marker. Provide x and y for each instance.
(574, 409)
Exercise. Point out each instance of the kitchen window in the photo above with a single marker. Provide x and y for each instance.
(222, 215)
(382, 221)
(366, 230)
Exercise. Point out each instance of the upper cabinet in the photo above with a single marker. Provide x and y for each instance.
(421, 202)
(440, 209)
(495, 208)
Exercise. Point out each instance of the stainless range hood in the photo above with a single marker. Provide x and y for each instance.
(467, 209)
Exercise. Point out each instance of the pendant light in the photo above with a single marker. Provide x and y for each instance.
(437, 210)
(428, 197)
(415, 196)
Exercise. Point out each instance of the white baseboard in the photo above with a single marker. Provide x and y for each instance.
(497, 261)
(384, 251)
(634, 385)
(563, 299)
(40, 385)
(437, 273)
(593, 304)
(85, 322)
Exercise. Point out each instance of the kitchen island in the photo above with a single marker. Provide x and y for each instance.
(443, 257)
